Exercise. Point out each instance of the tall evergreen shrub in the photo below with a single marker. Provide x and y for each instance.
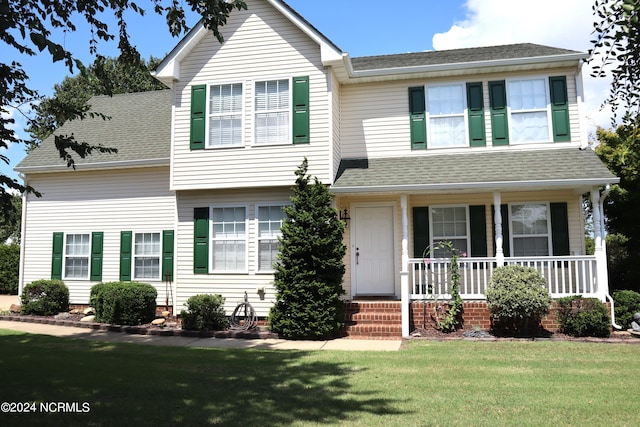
(309, 267)
(9, 268)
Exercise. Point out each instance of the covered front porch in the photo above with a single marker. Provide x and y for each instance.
(531, 215)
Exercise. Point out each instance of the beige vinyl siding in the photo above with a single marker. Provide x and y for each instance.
(261, 44)
(231, 286)
(84, 202)
(375, 116)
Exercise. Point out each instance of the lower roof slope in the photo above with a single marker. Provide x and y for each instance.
(551, 168)
(139, 128)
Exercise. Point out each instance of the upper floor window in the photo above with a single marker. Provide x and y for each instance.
(76, 259)
(270, 220)
(146, 256)
(272, 112)
(530, 229)
(529, 102)
(446, 108)
(225, 115)
(449, 224)
(229, 239)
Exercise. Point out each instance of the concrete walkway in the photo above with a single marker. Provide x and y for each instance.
(263, 344)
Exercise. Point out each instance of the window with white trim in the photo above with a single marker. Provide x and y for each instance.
(530, 229)
(272, 112)
(76, 256)
(446, 109)
(270, 220)
(528, 101)
(449, 224)
(229, 239)
(146, 255)
(225, 115)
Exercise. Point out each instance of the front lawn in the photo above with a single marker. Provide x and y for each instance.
(428, 383)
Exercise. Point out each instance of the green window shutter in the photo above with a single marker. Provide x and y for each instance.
(201, 240)
(198, 116)
(559, 109)
(475, 108)
(506, 239)
(417, 118)
(167, 254)
(499, 114)
(126, 240)
(56, 258)
(301, 127)
(559, 229)
(420, 231)
(97, 242)
(478, 227)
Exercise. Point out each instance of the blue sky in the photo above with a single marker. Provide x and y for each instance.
(369, 27)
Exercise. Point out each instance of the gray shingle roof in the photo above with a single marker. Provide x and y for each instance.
(457, 56)
(140, 128)
(487, 169)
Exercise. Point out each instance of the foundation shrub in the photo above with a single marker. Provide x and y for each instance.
(583, 317)
(626, 303)
(518, 299)
(44, 298)
(9, 269)
(204, 313)
(124, 303)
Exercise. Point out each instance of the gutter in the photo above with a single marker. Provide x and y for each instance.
(96, 166)
(468, 185)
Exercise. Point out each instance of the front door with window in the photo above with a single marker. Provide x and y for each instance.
(373, 251)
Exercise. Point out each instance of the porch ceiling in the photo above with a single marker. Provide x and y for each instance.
(487, 170)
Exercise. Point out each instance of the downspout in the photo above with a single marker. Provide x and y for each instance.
(23, 231)
(604, 195)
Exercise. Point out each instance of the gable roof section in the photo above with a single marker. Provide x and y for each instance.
(169, 69)
(515, 169)
(140, 128)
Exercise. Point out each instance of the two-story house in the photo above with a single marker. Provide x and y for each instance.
(484, 147)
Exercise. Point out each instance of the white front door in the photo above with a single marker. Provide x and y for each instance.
(373, 251)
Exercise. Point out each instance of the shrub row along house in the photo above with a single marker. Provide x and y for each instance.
(484, 147)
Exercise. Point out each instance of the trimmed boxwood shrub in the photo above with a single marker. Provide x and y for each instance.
(44, 298)
(583, 317)
(204, 313)
(626, 303)
(518, 299)
(124, 303)
(9, 269)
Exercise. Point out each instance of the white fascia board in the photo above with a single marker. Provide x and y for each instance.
(498, 185)
(328, 51)
(169, 69)
(553, 60)
(95, 166)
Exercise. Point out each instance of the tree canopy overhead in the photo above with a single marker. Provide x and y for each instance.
(26, 28)
(616, 52)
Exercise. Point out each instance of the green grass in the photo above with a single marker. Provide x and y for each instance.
(458, 383)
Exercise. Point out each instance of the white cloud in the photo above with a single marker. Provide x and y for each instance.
(560, 23)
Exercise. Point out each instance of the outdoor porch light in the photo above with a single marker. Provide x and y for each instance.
(344, 216)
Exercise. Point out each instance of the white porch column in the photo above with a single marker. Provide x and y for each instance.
(497, 201)
(600, 252)
(404, 271)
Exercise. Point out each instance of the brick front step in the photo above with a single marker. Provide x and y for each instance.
(373, 319)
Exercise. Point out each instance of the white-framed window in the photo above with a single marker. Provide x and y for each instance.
(77, 249)
(449, 224)
(272, 112)
(446, 106)
(225, 115)
(146, 256)
(229, 239)
(528, 101)
(270, 219)
(530, 229)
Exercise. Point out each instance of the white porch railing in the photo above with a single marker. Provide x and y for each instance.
(568, 275)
